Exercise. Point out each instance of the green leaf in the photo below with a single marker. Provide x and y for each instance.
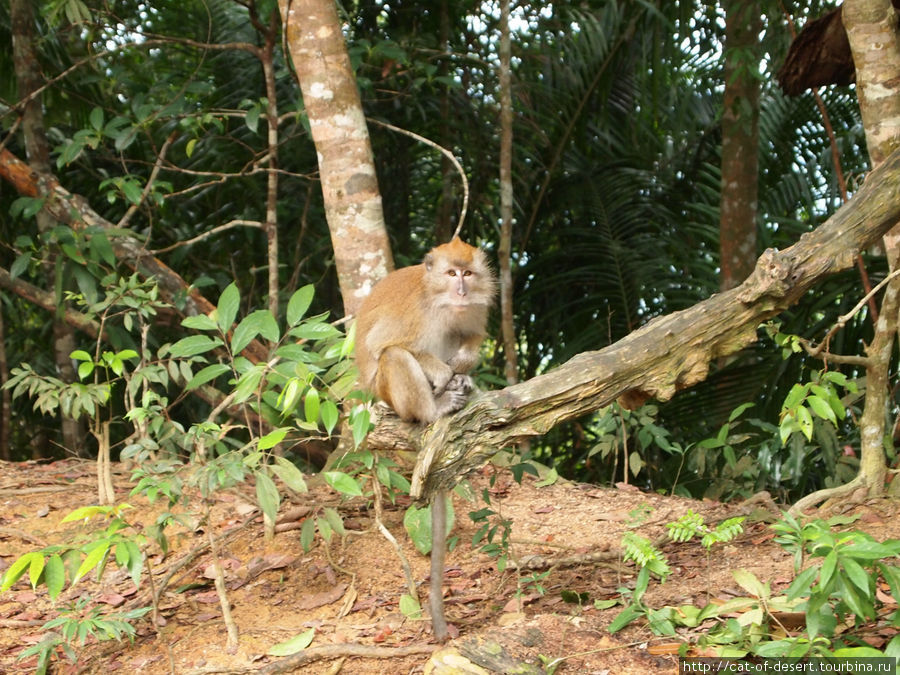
(417, 522)
(227, 309)
(296, 644)
(749, 582)
(193, 345)
(101, 249)
(267, 495)
(290, 395)
(251, 119)
(359, 425)
(20, 264)
(794, 397)
(821, 408)
(248, 383)
(410, 607)
(199, 322)
(93, 558)
(314, 331)
(54, 575)
(299, 303)
(804, 419)
(96, 118)
(311, 406)
(207, 374)
(17, 569)
(343, 483)
(856, 574)
(132, 190)
(330, 414)
(273, 438)
(857, 652)
(85, 369)
(625, 617)
(85, 512)
(289, 474)
(35, 568)
(334, 520)
(827, 572)
(135, 561)
(324, 529)
(256, 323)
(307, 534)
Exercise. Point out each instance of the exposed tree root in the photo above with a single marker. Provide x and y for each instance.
(856, 490)
(312, 654)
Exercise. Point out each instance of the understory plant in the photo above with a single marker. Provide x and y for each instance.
(838, 589)
(270, 384)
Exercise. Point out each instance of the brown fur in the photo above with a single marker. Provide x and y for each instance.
(421, 327)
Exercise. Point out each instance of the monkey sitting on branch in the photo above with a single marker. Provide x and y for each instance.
(419, 332)
(418, 335)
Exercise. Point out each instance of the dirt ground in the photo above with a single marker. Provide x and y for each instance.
(349, 591)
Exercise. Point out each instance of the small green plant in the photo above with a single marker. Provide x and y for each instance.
(493, 535)
(117, 541)
(818, 398)
(650, 560)
(74, 625)
(692, 525)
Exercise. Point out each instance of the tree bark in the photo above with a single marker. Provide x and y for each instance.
(5, 396)
(504, 250)
(346, 166)
(872, 33)
(668, 354)
(740, 143)
(29, 81)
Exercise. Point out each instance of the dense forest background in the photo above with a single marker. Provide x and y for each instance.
(182, 120)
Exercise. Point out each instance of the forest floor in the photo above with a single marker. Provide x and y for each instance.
(349, 591)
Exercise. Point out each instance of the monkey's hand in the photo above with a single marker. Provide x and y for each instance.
(450, 401)
(462, 383)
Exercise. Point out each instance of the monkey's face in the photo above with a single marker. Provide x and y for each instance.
(459, 279)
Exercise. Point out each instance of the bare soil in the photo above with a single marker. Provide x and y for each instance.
(349, 590)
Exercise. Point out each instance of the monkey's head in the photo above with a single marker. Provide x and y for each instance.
(459, 275)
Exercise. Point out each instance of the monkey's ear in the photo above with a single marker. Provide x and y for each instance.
(429, 261)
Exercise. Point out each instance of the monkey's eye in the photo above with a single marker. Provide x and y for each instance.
(451, 273)
(467, 273)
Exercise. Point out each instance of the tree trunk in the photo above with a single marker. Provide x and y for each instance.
(670, 353)
(28, 80)
(872, 32)
(5, 397)
(504, 250)
(740, 143)
(266, 55)
(346, 167)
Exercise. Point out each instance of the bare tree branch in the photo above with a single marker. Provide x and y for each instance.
(670, 353)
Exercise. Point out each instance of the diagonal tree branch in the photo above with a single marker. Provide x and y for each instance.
(668, 354)
(75, 211)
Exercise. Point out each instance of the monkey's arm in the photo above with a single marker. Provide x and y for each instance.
(437, 372)
(468, 354)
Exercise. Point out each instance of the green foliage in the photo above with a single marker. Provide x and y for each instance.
(52, 564)
(692, 525)
(642, 551)
(117, 540)
(417, 522)
(74, 625)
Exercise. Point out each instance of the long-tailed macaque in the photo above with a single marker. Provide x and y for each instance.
(417, 337)
(419, 332)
